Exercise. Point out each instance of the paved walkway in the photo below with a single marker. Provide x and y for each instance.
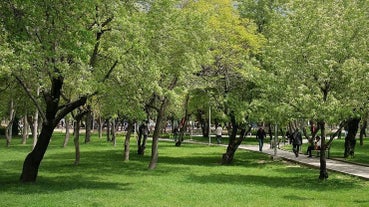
(332, 164)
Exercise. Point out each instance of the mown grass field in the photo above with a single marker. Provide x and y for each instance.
(189, 175)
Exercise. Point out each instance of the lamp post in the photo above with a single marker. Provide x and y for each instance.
(209, 124)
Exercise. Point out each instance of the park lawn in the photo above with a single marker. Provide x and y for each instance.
(189, 175)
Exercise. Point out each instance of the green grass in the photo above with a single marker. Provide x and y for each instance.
(189, 175)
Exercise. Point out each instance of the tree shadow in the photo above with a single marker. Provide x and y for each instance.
(50, 185)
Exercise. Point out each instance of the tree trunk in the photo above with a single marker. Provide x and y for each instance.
(25, 129)
(128, 140)
(67, 133)
(323, 163)
(9, 128)
(363, 131)
(77, 127)
(234, 142)
(184, 123)
(155, 138)
(113, 133)
(108, 130)
(203, 123)
(350, 140)
(33, 159)
(88, 125)
(100, 130)
(35, 124)
(53, 114)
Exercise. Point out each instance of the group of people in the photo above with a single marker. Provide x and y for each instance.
(295, 139)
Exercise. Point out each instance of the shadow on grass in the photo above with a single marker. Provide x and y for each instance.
(291, 182)
(45, 185)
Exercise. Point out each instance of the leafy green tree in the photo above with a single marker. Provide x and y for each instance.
(58, 45)
(233, 69)
(317, 51)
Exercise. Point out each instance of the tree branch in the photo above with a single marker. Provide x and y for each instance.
(28, 91)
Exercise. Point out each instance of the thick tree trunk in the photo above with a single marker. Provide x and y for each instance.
(234, 142)
(350, 140)
(128, 140)
(323, 163)
(155, 138)
(33, 159)
(53, 114)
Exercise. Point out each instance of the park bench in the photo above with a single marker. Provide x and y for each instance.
(317, 151)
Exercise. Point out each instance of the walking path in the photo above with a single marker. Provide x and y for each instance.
(332, 164)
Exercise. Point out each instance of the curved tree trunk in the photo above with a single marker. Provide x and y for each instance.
(350, 141)
(234, 142)
(53, 114)
(155, 138)
(33, 159)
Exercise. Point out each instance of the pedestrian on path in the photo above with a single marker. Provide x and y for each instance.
(296, 142)
(218, 133)
(260, 135)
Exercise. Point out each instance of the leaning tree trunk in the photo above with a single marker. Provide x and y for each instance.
(350, 140)
(323, 162)
(33, 159)
(234, 142)
(155, 137)
(128, 140)
(53, 114)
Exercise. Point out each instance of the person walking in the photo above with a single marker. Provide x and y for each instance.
(297, 142)
(218, 133)
(260, 135)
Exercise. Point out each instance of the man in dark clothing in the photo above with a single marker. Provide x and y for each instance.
(296, 142)
(260, 135)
